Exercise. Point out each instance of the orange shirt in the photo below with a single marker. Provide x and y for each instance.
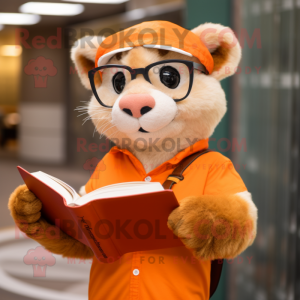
(166, 273)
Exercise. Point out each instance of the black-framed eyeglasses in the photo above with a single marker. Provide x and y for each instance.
(173, 77)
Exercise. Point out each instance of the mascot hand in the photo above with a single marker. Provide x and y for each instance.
(214, 227)
(25, 208)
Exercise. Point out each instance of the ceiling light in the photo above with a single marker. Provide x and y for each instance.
(55, 9)
(18, 19)
(99, 1)
(10, 50)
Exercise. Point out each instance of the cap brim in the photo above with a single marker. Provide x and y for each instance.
(103, 60)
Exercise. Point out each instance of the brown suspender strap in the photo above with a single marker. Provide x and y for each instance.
(176, 177)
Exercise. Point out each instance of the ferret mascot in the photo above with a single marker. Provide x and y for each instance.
(156, 87)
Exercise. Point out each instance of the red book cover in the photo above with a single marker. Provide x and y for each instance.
(111, 227)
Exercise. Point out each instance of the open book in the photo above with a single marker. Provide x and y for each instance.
(109, 191)
(112, 220)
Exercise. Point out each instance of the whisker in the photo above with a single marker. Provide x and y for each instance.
(108, 120)
(86, 119)
(82, 114)
(91, 117)
(87, 110)
(91, 106)
(95, 129)
(103, 133)
(114, 133)
(103, 126)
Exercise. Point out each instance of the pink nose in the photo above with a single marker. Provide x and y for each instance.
(137, 105)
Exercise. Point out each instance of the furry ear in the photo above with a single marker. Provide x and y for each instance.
(224, 47)
(83, 55)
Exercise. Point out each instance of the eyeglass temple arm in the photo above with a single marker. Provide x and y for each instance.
(200, 68)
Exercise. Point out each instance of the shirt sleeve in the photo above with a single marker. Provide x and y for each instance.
(222, 178)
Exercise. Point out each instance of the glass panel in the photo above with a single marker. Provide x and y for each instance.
(268, 110)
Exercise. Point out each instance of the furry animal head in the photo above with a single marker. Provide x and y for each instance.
(144, 112)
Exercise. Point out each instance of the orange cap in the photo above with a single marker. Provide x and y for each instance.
(155, 34)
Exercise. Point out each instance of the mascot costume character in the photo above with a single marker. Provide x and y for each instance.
(156, 86)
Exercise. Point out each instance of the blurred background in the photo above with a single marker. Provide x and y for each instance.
(40, 130)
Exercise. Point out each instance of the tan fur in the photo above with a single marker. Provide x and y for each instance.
(213, 226)
(83, 55)
(25, 209)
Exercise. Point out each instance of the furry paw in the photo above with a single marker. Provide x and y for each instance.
(213, 227)
(25, 209)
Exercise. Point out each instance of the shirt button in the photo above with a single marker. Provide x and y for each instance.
(148, 179)
(136, 272)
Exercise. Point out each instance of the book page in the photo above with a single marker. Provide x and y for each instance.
(55, 184)
(121, 189)
(65, 185)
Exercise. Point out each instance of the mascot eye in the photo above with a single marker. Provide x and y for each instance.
(36, 68)
(119, 82)
(170, 77)
(45, 68)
